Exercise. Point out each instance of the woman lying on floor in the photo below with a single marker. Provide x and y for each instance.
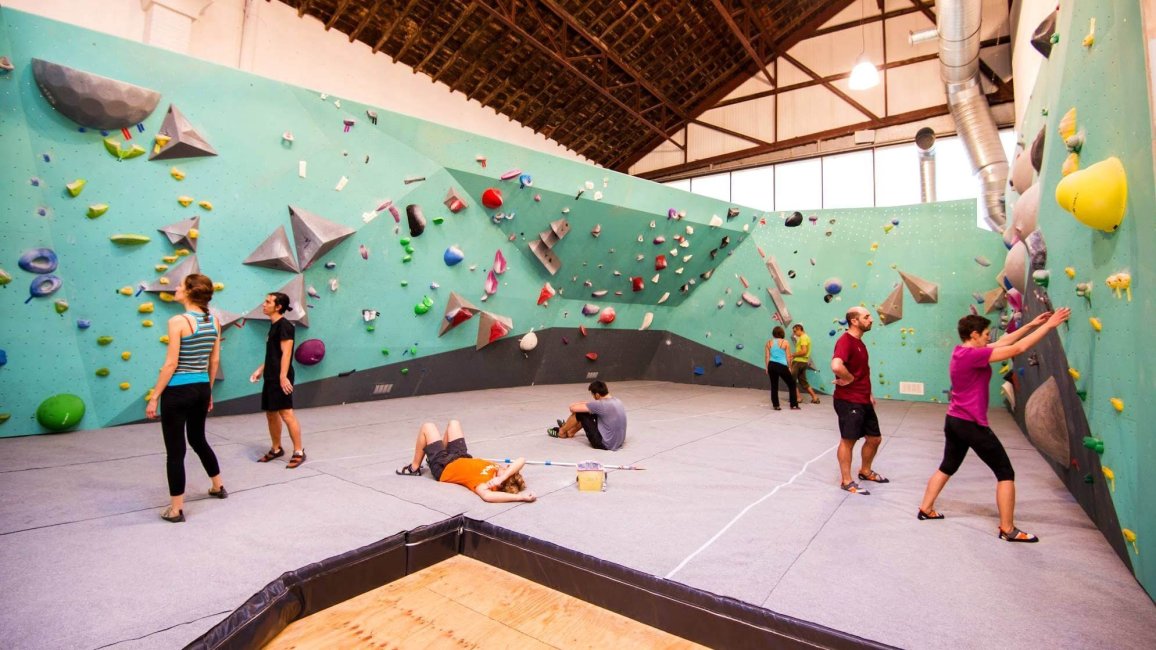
(449, 462)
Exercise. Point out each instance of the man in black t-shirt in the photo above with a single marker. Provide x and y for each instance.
(277, 392)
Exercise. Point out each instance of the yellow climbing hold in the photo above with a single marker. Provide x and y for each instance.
(1070, 271)
(161, 268)
(1068, 124)
(1120, 282)
(1090, 39)
(177, 174)
(1074, 373)
(218, 286)
(129, 239)
(1096, 324)
(181, 252)
(148, 395)
(163, 281)
(169, 259)
(1130, 537)
(1071, 164)
(164, 339)
(124, 385)
(185, 201)
(874, 246)
(96, 209)
(194, 233)
(1097, 196)
(165, 296)
(1111, 476)
(125, 291)
(126, 355)
(146, 323)
(76, 187)
(160, 141)
(205, 205)
(1117, 404)
(145, 308)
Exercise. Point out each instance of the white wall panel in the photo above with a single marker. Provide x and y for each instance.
(704, 143)
(898, 30)
(755, 118)
(755, 84)
(914, 86)
(813, 109)
(836, 52)
(789, 74)
(664, 155)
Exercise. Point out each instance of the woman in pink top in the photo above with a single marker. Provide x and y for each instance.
(966, 426)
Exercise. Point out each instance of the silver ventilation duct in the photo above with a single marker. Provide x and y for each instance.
(925, 143)
(958, 24)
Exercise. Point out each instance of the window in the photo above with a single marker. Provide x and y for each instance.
(683, 185)
(717, 186)
(848, 180)
(754, 188)
(799, 185)
(896, 175)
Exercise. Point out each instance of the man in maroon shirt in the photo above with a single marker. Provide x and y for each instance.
(854, 403)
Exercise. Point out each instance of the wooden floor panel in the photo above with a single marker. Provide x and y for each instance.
(464, 603)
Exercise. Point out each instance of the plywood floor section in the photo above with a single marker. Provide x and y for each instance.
(465, 603)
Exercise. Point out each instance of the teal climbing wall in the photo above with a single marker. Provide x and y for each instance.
(1107, 84)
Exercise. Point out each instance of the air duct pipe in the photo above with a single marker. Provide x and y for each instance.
(958, 25)
(925, 143)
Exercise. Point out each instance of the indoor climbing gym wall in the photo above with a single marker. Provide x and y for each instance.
(418, 258)
(1082, 234)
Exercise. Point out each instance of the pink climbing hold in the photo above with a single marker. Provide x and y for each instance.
(310, 352)
(491, 283)
(593, 356)
(607, 316)
(546, 293)
(500, 265)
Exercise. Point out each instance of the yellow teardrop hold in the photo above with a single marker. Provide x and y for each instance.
(1068, 124)
(1117, 404)
(1096, 324)
(1071, 164)
(1097, 195)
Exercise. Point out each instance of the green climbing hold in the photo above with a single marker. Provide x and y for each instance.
(112, 147)
(404, 241)
(1088, 479)
(405, 283)
(424, 306)
(102, 372)
(409, 249)
(1083, 395)
(4, 417)
(61, 306)
(76, 187)
(407, 258)
(129, 239)
(370, 328)
(104, 340)
(405, 371)
(5, 277)
(1095, 444)
(135, 151)
(60, 412)
(413, 351)
(385, 352)
(96, 209)
(438, 220)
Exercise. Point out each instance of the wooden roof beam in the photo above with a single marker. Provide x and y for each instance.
(365, 21)
(526, 37)
(445, 37)
(386, 33)
(829, 86)
(743, 40)
(336, 14)
(302, 7)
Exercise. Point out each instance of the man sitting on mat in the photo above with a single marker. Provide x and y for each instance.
(449, 462)
(603, 420)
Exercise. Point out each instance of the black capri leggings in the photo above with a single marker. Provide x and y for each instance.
(962, 435)
(777, 371)
(184, 408)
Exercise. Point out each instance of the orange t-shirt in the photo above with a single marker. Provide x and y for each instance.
(470, 472)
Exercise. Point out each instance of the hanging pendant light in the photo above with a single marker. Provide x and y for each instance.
(864, 75)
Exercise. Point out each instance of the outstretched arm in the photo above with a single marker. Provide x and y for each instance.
(490, 496)
(1012, 337)
(1005, 352)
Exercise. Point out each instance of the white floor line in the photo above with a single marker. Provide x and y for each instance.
(745, 510)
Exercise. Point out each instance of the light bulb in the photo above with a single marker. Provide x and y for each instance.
(863, 75)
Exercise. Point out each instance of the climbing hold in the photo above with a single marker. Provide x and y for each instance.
(589, 309)
(129, 239)
(1096, 324)
(751, 300)
(492, 198)
(500, 264)
(416, 219)
(1120, 282)
(453, 256)
(491, 284)
(76, 187)
(1070, 272)
(546, 293)
(185, 201)
(796, 219)
(145, 308)
(1095, 444)
(61, 306)
(146, 323)
(659, 262)
(424, 306)
(205, 205)
(833, 286)
(83, 323)
(699, 371)
(177, 174)
(103, 340)
(126, 355)
(1117, 404)
(1074, 373)
(1070, 165)
(607, 316)
(454, 201)
(1130, 537)
(524, 181)
(38, 260)
(310, 352)
(43, 285)
(102, 372)
(592, 356)
(647, 319)
(1096, 196)
(60, 412)
(1084, 290)
(1041, 277)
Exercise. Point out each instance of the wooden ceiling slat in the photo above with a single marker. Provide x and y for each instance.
(365, 20)
(386, 33)
(829, 86)
(336, 14)
(418, 31)
(445, 37)
(743, 40)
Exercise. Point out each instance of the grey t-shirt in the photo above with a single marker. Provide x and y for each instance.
(611, 421)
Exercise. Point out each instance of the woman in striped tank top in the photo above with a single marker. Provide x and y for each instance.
(184, 390)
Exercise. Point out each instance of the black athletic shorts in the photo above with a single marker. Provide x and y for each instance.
(273, 398)
(438, 455)
(856, 420)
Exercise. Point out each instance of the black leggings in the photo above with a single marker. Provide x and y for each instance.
(962, 435)
(777, 371)
(185, 408)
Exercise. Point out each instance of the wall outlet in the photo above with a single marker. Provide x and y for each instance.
(382, 389)
(910, 388)
(592, 375)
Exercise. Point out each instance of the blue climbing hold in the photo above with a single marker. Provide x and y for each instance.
(3, 358)
(83, 323)
(698, 370)
(38, 260)
(453, 256)
(43, 285)
(717, 360)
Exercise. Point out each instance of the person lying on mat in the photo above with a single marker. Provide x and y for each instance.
(603, 420)
(966, 426)
(450, 462)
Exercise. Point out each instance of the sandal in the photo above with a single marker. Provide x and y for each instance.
(854, 488)
(408, 470)
(270, 455)
(552, 432)
(168, 515)
(928, 515)
(220, 494)
(296, 459)
(814, 400)
(873, 476)
(1017, 535)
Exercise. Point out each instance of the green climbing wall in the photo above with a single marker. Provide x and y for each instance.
(1107, 84)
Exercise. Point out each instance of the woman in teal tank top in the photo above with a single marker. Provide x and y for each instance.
(184, 390)
(778, 356)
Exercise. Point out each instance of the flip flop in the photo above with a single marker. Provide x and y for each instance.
(408, 470)
(874, 477)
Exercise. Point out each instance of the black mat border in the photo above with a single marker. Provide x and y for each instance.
(693, 614)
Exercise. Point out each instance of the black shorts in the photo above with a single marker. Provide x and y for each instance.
(438, 454)
(961, 435)
(273, 398)
(856, 420)
(589, 423)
